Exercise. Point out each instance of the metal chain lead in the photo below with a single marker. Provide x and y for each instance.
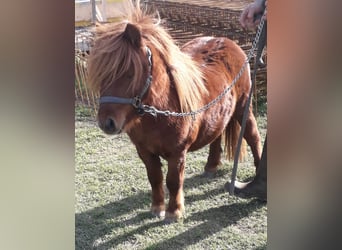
(154, 111)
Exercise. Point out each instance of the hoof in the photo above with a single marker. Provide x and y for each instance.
(172, 217)
(158, 211)
(208, 174)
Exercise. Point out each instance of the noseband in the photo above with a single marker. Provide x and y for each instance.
(135, 101)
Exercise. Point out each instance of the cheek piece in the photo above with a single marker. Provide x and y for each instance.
(136, 101)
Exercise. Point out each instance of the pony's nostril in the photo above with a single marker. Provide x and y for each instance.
(110, 125)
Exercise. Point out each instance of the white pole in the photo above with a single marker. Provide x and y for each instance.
(93, 11)
(104, 10)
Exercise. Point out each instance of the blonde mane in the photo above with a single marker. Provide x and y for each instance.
(104, 66)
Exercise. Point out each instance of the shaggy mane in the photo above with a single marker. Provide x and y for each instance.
(112, 56)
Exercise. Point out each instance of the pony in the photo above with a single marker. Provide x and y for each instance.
(149, 88)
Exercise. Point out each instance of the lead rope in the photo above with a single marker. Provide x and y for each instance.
(262, 41)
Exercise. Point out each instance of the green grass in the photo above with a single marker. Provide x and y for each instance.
(113, 199)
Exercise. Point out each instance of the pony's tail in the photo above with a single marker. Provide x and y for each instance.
(231, 137)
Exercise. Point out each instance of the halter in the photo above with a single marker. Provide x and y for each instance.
(136, 101)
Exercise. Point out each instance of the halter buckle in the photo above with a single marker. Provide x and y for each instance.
(136, 102)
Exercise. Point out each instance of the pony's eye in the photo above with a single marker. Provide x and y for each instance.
(130, 76)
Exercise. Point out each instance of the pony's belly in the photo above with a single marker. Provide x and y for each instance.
(204, 138)
(212, 126)
(198, 144)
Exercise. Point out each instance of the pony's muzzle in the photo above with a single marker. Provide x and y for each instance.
(109, 127)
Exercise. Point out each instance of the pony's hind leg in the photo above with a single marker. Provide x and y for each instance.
(251, 134)
(214, 158)
(155, 177)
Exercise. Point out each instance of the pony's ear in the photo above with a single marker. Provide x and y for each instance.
(133, 35)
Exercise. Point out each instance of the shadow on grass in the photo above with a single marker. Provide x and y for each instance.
(94, 224)
(263, 247)
(215, 220)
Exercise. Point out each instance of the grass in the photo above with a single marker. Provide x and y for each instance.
(113, 199)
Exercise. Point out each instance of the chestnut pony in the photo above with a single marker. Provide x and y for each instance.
(135, 66)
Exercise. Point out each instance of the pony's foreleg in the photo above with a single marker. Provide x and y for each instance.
(214, 158)
(174, 183)
(155, 177)
(251, 134)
